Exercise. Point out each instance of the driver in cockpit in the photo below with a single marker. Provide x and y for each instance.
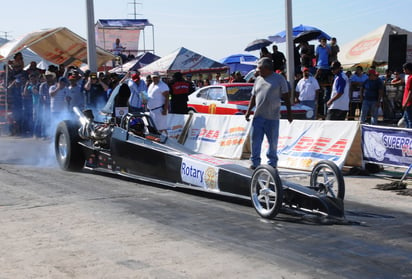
(137, 126)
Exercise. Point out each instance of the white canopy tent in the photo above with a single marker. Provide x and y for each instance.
(372, 48)
(185, 61)
(57, 45)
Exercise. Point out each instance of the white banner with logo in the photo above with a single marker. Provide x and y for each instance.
(218, 135)
(303, 143)
(199, 173)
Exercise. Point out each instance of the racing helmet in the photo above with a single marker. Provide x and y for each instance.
(136, 126)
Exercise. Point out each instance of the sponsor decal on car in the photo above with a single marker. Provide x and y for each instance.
(199, 174)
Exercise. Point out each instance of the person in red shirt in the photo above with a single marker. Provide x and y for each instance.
(179, 90)
(407, 95)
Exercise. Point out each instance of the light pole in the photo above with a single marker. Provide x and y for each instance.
(91, 39)
(290, 47)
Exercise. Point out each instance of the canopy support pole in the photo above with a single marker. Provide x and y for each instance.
(290, 52)
(91, 39)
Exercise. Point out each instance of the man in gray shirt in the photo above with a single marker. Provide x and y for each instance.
(267, 92)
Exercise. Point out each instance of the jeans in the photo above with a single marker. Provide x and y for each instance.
(270, 128)
(372, 107)
(408, 116)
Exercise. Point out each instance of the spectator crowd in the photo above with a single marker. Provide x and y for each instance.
(38, 99)
(321, 84)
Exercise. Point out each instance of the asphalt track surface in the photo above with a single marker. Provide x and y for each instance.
(57, 224)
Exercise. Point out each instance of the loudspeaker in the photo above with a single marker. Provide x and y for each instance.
(397, 52)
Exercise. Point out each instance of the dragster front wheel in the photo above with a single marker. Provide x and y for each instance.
(326, 178)
(266, 191)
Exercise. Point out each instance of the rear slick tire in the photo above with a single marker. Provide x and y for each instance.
(69, 154)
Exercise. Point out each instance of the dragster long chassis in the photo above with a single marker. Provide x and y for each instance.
(175, 166)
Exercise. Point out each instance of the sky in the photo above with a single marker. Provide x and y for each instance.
(213, 28)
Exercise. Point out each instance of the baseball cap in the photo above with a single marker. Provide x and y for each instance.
(372, 72)
(155, 74)
(49, 73)
(135, 76)
(306, 69)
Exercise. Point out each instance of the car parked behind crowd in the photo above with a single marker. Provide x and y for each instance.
(233, 98)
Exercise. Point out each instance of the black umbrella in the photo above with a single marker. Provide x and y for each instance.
(258, 44)
(307, 36)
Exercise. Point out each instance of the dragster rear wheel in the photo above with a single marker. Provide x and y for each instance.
(69, 154)
(326, 178)
(266, 191)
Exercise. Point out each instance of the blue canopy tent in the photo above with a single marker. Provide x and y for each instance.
(296, 31)
(240, 62)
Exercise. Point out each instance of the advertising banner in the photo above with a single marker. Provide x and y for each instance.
(199, 173)
(304, 143)
(175, 124)
(387, 146)
(218, 135)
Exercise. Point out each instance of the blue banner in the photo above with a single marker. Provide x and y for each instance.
(387, 146)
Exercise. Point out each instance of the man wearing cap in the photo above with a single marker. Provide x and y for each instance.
(307, 90)
(138, 90)
(142, 91)
(158, 102)
(371, 96)
(268, 90)
(338, 104)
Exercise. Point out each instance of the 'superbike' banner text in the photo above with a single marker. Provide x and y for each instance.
(387, 146)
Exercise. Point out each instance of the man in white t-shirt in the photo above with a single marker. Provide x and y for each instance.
(307, 88)
(158, 102)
